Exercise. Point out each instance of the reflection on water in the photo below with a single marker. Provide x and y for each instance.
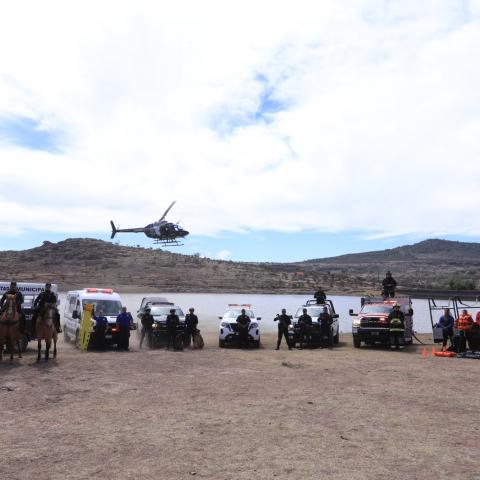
(209, 305)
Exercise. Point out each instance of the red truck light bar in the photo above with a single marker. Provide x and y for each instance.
(99, 290)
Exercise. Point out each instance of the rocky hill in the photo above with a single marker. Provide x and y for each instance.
(73, 263)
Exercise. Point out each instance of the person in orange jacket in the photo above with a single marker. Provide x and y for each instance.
(464, 325)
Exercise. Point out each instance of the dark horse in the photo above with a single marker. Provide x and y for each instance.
(46, 330)
(10, 333)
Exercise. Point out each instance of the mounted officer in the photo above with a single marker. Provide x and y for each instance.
(47, 296)
(13, 290)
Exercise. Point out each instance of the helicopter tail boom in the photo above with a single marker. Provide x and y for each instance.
(114, 230)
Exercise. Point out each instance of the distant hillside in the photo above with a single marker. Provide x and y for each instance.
(73, 263)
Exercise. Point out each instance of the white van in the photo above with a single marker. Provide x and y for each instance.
(103, 299)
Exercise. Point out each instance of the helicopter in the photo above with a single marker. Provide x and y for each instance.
(164, 233)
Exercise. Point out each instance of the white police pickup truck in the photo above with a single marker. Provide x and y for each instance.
(228, 329)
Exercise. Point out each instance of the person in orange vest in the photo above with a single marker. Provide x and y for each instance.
(464, 325)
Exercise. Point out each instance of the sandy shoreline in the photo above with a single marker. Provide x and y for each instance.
(232, 414)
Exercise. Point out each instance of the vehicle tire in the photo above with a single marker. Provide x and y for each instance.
(256, 343)
(336, 339)
(356, 342)
(221, 343)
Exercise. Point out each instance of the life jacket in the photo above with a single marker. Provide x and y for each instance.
(445, 354)
(396, 325)
(464, 322)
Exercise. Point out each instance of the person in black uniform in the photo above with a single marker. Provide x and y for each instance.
(13, 290)
(305, 324)
(325, 320)
(191, 322)
(147, 327)
(284, 321)
(389, 285)
(243, 322)
(101, 325)
(172, 322)
(320, 296)
(47, 296)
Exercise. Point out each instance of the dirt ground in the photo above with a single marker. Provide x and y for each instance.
(232, 414)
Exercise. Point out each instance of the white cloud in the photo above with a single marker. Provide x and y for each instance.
(224, 254)
(376, 130)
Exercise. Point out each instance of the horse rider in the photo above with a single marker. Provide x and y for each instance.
(147, 327)
(47, 296)
(320, 296)
(13, 290)
(191, 322)
(284, 321)
(172, 323)
(396, 325)
(305, 324)
(325, 320)
(389, 285)
(243, 323)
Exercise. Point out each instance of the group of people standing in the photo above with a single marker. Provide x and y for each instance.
(172, 322)
(465, 326)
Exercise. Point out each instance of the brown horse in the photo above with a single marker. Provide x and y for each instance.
(46, 330)
(10, 327)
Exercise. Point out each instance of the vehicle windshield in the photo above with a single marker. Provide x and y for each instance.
(312, 311)
(28, 299)
(158, 310)
(375, 309)
(237, 313)
(111, 308)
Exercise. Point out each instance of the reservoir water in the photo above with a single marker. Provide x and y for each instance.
(209, 306)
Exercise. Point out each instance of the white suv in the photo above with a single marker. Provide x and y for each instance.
(228, 329)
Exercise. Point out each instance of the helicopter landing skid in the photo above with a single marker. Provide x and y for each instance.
(168, 243)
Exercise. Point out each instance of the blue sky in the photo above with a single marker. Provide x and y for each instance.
(334, 129)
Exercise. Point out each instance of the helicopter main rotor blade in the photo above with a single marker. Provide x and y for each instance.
(167, 210)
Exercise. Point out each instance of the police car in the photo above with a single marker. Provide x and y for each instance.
(30, 291)
(228, 328)
(159, 309)
(314, 310)
(102, 299)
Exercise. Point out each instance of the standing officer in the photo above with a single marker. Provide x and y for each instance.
(284, 321)
(101, 325)
(325, 320)
(396, 325)
(243, 323)
(147, 327)
(305, 324)
(320, 296)
(172, 322)
(191, 322)
(389, 285)
(13, 290)
(47, 296)
(123, 323)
